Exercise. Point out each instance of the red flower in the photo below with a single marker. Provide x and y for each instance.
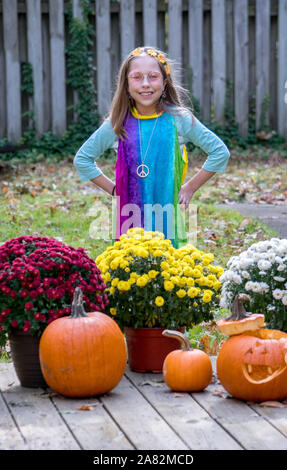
(14, 323)
(24, 293)
(28, 306)
(26, 326)
(34, 294)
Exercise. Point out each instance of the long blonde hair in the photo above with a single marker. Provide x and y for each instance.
(121, 102)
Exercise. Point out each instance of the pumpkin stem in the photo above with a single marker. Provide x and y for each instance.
(78, 310)
(180, 337)
(238, 310)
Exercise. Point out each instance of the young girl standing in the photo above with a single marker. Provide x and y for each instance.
(148, 118)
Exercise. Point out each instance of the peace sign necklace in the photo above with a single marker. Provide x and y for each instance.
(143, 170)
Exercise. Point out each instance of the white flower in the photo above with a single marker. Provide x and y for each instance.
(264, 264)
(271, 256)
(277, 294)
(278, 259)
(281, 267)
(270, 307)
(284, 300)
(245, 274)
(264, 287)
(279, 279)
(248, 285)
(245, 262)
(256, 287)
(237, 279)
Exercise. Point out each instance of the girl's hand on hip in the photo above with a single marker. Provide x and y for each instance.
(185, 195)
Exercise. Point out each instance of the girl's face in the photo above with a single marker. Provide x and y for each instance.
(145, 83)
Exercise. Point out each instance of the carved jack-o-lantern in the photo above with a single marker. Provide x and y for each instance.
(253, 365)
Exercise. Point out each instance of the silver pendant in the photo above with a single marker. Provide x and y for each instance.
(142, 171)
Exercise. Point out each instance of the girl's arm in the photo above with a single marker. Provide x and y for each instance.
(192, 130)
(84, 161)
(188, 189)
(104, 183)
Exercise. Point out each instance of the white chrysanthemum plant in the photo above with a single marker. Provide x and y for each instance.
(261, 272)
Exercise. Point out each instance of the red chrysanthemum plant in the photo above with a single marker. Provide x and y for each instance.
(38, 276)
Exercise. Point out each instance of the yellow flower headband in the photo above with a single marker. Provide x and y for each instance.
(153, 53)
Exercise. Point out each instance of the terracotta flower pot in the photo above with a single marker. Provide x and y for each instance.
(25, 357)
(148, 348)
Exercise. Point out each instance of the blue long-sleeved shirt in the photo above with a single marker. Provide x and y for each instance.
(189, 129)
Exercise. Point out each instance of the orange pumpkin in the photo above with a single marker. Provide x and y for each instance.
(187, 369)
(84, 354)
(253, 366)
(240, 321)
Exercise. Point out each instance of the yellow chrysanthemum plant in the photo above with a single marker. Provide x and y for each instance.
(150, 283)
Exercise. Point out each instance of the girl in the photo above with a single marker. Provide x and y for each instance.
(147, 118)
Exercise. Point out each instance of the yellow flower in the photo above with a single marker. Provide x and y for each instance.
(115, 282)
(196, 272)
(190, 282)
(161, 58)
(112, 290)
(157, 253)
(167, 69)
(159, 301)
(113, 311)
(181, 293)
(192, 292)
(182, 281)
(217, 285)
(187, 271)
(206, 298)
(152, 274)
(165, 274)
(142, 281)
(123, 286)
(151, 52)
(136, 51)
(107, 277)
(164, 265)
(168, 285)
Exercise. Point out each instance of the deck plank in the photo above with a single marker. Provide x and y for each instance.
(139, 420)
(189, 420)
(40, 423)
(94, 428)
(276, 416)
(10, 436)
(248, 427)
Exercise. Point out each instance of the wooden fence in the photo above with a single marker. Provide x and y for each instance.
(236, 51)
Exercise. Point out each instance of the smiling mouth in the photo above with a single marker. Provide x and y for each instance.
(260, 374)
(146, 93)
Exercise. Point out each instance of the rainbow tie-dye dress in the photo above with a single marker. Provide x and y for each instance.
(150, 202)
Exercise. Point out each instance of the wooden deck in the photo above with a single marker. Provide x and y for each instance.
(140, 413)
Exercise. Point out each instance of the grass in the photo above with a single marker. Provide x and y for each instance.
(47, 198)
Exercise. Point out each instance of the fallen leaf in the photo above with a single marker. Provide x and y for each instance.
(86, 408)
(153, 383)
(273, 404)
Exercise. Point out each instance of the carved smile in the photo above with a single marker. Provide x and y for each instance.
(259, 374)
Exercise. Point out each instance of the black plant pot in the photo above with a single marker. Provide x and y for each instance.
(25, 357)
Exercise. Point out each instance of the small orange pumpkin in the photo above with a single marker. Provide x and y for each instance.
(240, 321)
(84, 354)
(187, 369)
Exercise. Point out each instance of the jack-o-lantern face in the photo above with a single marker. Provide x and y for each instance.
(264, 360)
(253, 366)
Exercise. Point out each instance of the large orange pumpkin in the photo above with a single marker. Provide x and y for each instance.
(252, 366)
(187, 369)
(84, 354)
